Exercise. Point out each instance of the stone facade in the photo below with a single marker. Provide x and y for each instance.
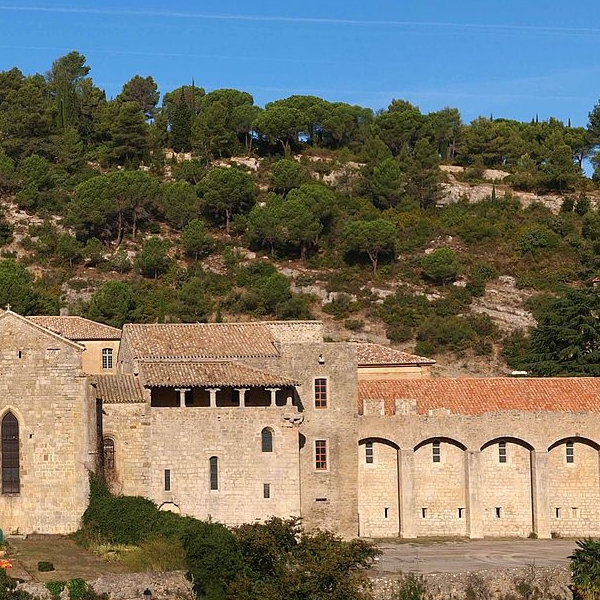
(240, 422)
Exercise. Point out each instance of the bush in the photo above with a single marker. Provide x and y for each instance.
(45, 566)
(156, 554)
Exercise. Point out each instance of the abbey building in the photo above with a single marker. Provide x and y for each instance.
(241, 421)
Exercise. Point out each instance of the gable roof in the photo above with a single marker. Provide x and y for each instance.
(470, 396)
(8, 314)
(376, 354)
(226, 374)
(119, 389)
(77, 328)
(200, 341)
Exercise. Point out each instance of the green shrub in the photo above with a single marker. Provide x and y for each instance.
(156, 554)
(45, 566)
(55, 588)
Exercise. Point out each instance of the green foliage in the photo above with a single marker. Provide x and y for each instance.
(45, 565)
(17, 288)
(196, 240)
(153, 259)
(114, 304)
(440, 266)
(373, 238)
(156, 554)
(585, 569)
(286, 175)
(410, 587)
(55, 588)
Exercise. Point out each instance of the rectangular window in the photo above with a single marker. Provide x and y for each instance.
(266, 490)
(320, 455)
(386, 513)
(436, 452)
(214, 473)
(570, 452)
(423, 513)
(460, 513)
(167, 480)
(369, 452)
(557, 513)
(498, 512)
(107, 358)
(502, 452)
(321, 393)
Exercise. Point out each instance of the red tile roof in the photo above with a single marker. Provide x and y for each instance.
(376, 354)
(471, 396)
(169, 374)
(77, 328)
(119, 389)
(200, 340)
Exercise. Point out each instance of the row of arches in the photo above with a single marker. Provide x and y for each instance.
(503, 488)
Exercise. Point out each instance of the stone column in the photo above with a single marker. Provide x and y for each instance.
(242, 393)
(539, 494)
(273, 394)
(182, 392)
(406, 503)
(213, 396)
(474, 510)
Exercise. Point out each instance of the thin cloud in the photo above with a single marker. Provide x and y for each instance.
(495, 27)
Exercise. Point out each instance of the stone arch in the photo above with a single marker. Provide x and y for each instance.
(378, 484)
(440, 464)
(440, 438)
(507, 438)
(574, 486)
(505, 486)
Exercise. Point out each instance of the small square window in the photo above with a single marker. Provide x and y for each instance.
(321, 393)
(502, 452)
(369, 453)
(321, 455)
(436, 452)
(570, 452)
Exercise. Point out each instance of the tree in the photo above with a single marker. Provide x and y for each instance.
(387, 183)
(226, 192)
(144, 92)
(423, 174)
(129, 143)
(280, 124)
(440, 266)
(153, 259)
(196, 240)
(298, 225)
(373, 238)
(585, 569)
(195, 304)
(179, 203)
(566, 340)
(113, 304)
(286, 175)
(17, 288)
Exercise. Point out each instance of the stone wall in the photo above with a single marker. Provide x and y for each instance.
(43, 386)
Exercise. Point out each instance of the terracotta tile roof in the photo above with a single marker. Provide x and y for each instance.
(119, 389)
(156, 374)
(471, 396)
(376, 354)
(77, 328)
(200, 340)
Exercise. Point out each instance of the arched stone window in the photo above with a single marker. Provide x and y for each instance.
(214, 472)
(10, 455)
(108, 447)
(266, 438)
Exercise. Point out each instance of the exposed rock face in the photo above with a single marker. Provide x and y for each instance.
(504, 303)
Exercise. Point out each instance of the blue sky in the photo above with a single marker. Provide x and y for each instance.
(508, 58)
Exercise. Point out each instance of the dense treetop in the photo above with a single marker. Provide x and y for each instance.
(149, 190)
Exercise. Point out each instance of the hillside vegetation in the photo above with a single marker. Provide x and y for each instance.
(441, 236)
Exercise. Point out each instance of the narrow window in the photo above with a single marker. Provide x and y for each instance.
(570, 452)
(369, 452)
(214, 473)
(460, 513)
(107, 358)
(10, 455)
(386, 513)
(266, 490)
(575, 512)
(321, 393)
(321, 455)
(167, 480)
(108, 447)
(557, 513)
(423, 513)
(266, 439)
(498, 512)
(437, 453)
(502, 452)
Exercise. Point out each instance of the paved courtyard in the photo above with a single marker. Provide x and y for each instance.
(461, 556)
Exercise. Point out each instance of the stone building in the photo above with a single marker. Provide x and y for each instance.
(241, 421)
